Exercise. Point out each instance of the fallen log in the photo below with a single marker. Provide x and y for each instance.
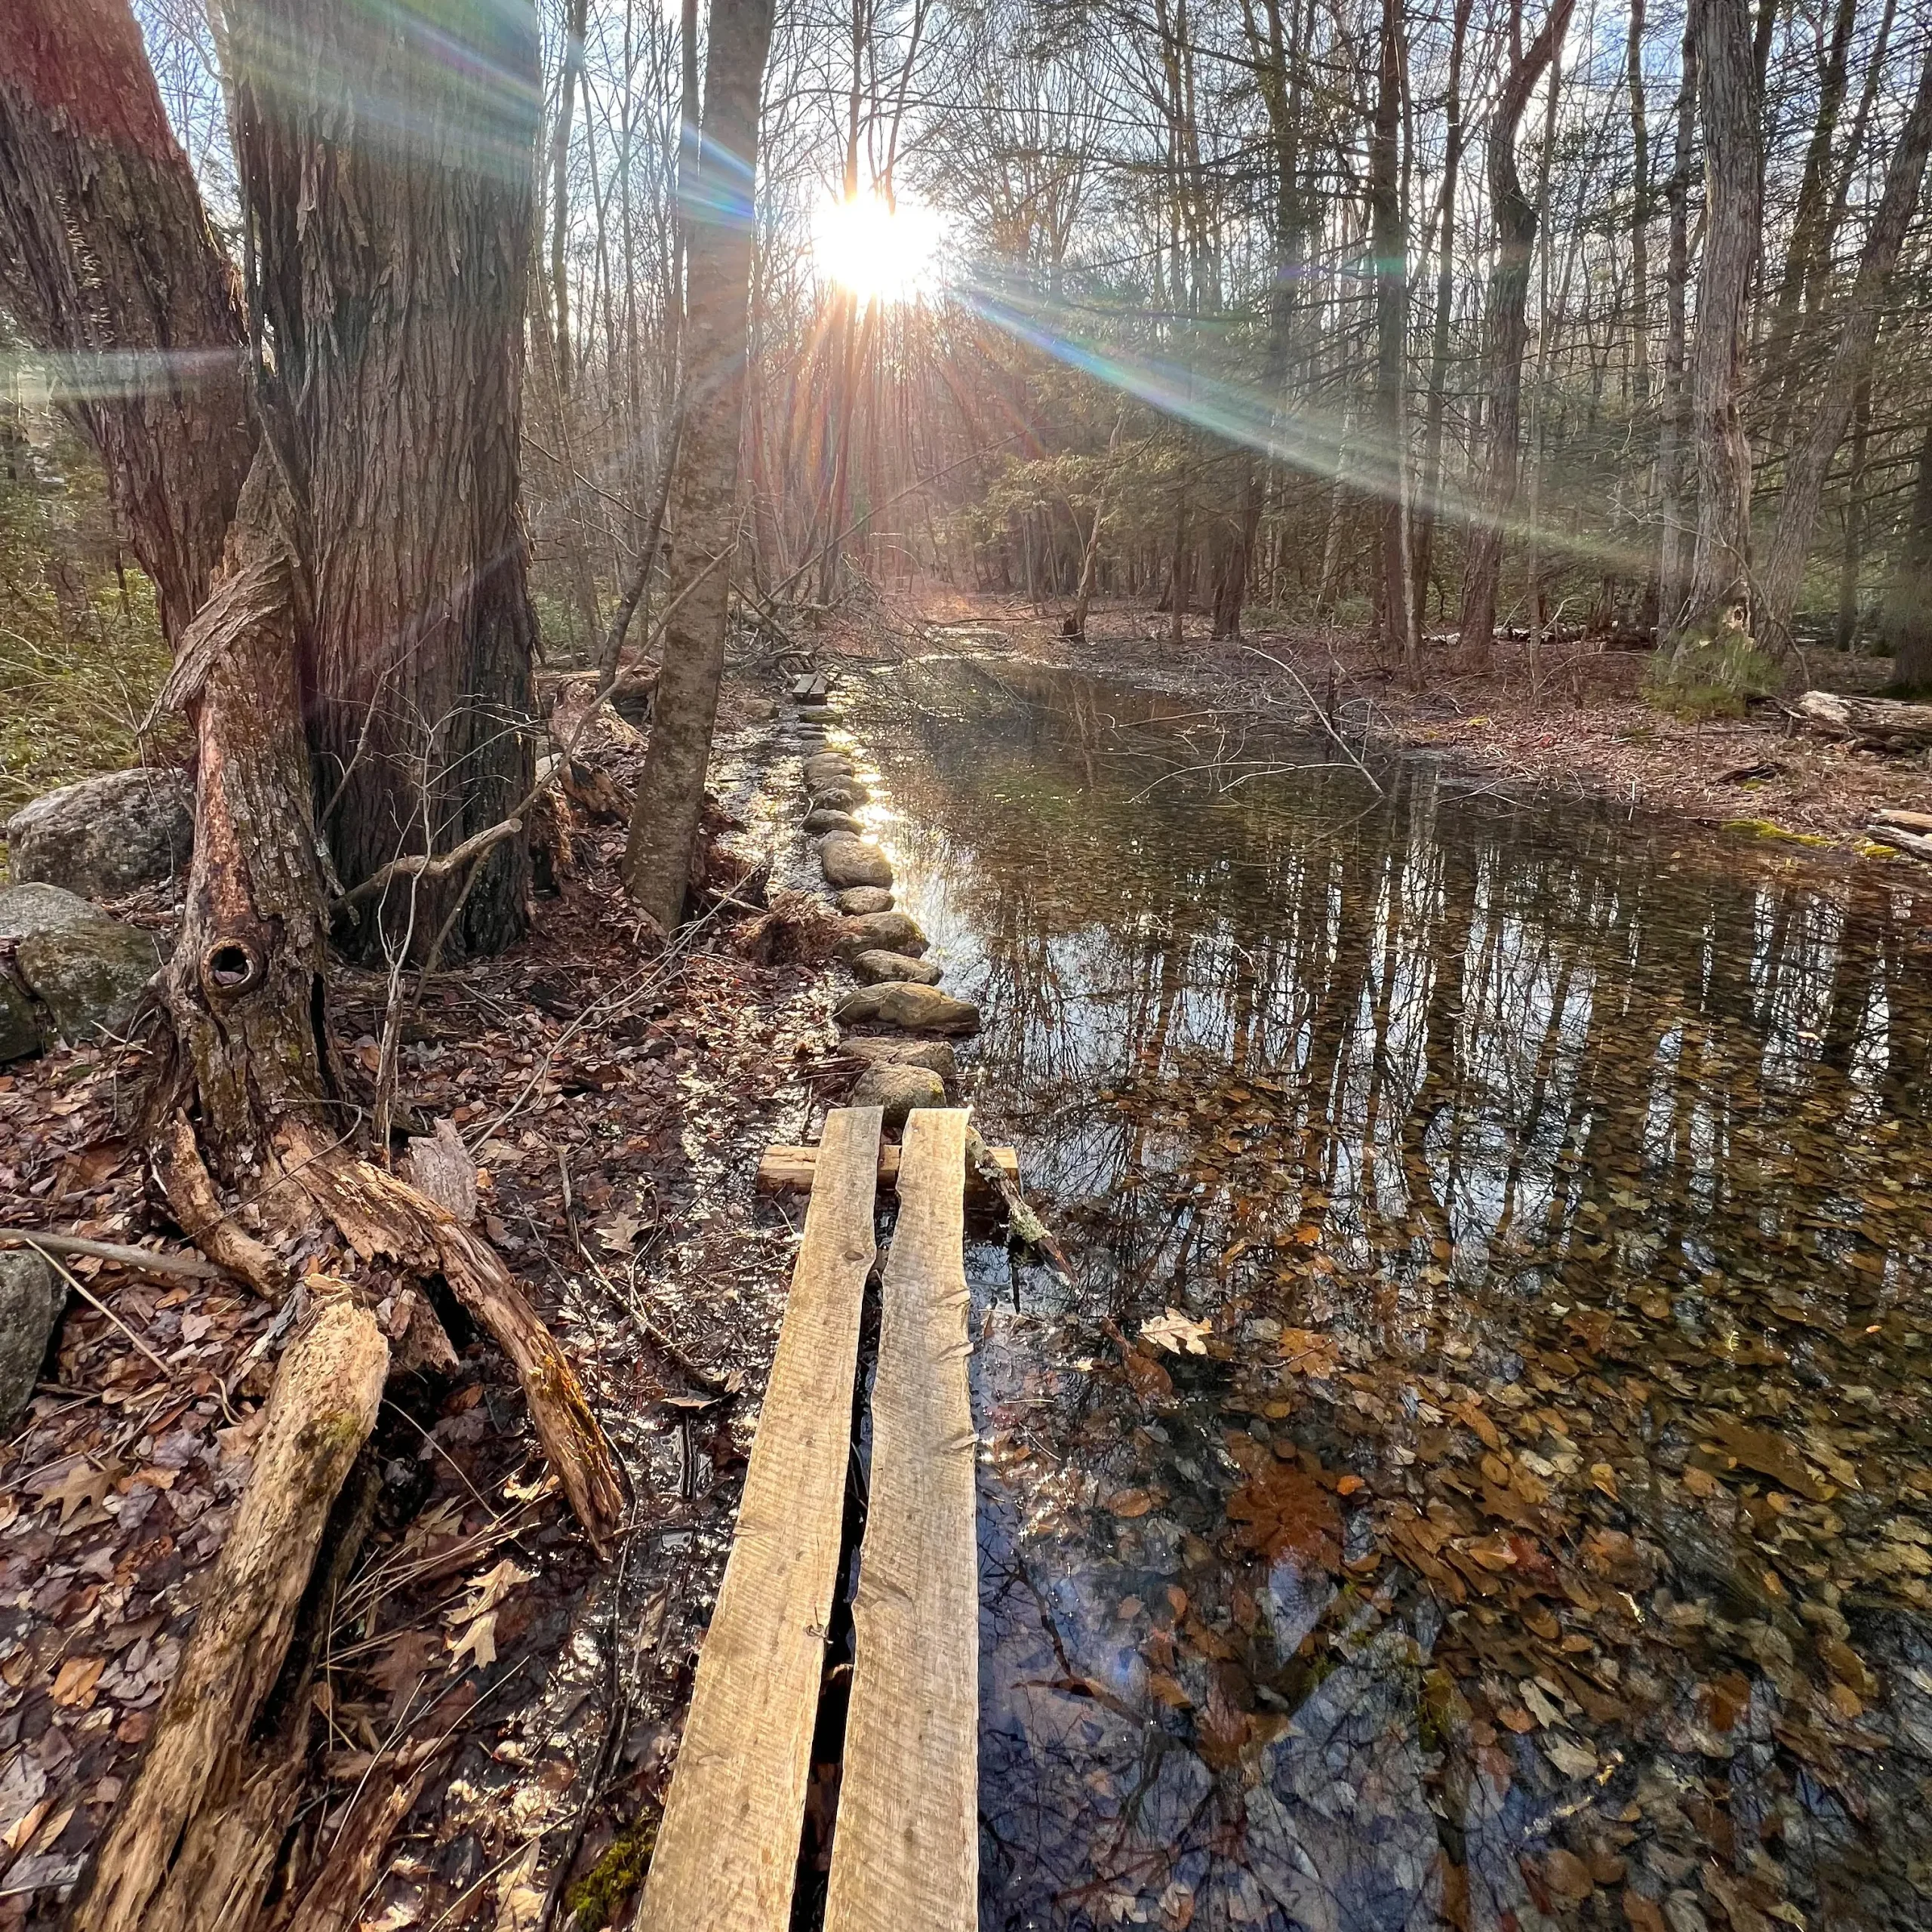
(1904, 821)
(192, 1846)
(1883, 723)
(1916, 844)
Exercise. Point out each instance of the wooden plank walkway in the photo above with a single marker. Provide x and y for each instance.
(905, 1854)
(727, 1848)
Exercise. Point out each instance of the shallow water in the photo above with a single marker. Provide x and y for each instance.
(1478, 1475)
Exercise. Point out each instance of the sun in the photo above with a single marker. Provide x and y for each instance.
(879, 250)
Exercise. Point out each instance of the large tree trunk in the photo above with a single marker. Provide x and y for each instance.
(1909, 602)
(1391, 329)
(106, 253)
(1429, 497)
(1673, 449)
(670, 795)
(386, 161)
(1508, 334)
(1734, 201)
(1811, 458)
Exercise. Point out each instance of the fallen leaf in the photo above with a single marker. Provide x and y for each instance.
(75, 1683)
(1133, 1502)
(1176, 1333)
(1567, 1875)
(478, 1643)
(1644, 1915)
(81, 1487)
(1572, 1759)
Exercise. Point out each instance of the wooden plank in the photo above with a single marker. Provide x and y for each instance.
(728, 1849)
(905, 1852)
(782, 1168)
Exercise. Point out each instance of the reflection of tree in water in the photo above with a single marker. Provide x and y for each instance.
(1555, 1194)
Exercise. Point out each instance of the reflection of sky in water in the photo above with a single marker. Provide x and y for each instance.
(1605, 1133)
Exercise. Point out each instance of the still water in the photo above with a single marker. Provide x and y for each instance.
(1477, 1474)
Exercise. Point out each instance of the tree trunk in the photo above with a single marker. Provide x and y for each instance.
(1810, 460)
(670, 795)
(1430, 496)
(1674, 446)
(105, 251)
(1391, 320)
(1909, 602)
(560, 191)
(1734, 200)
(400, 436)
(1852, 552)
(1508, 332)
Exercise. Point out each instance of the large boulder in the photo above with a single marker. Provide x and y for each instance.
(862, 898)
(105, 836)
(821, 820)
(889, 932)
(847, 860)
(896, 1090)
(882, 1049)
(877, 966)
(32, 1298)
(88, 975)
(27, 909)
(917, 1009)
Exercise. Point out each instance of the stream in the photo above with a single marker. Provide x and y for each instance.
(1478, 1474)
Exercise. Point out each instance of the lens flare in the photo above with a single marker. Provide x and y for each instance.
(879, 250)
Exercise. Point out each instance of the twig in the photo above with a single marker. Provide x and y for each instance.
(149, 1261)
(88, 1295)
(419, 865)
(1320, 715)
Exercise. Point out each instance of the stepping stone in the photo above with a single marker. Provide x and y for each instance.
(877, 968)
(817, 714)
(827, 768)
(888, 932)
(840, 798)
(846, 860)
(877, 1050)
(831, 821)
(859, 899)
(895, 1089)
(917, 1009)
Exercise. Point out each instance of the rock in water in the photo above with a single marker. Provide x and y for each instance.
(817, 714)
(883, 1051)
(849, 861)
(917, 1009)
(845, 797)
(27, 909)
(32, 1297)
(830, 821)
(88, 975)
(876, 968)
(105, 836)
(826, 769)
(885, 932)
(897, 1089)
(861, 899)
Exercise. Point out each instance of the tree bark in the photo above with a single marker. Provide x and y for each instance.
(1429, 497)
(1391, 319)
(1508, 333)
(560, 190)
(670, 795)
(386, 165)
(106, 256)
(1673, 449)
(1733, 202)
(1908, 601)
(1810, 459)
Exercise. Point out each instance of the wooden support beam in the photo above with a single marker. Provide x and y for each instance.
(783, 1169)
(905, 1852)
(727, 1848)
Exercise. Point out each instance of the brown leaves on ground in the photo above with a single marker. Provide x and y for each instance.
(1282, 1510)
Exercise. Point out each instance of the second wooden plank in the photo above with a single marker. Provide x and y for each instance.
(728, 1850)
(905, 1852)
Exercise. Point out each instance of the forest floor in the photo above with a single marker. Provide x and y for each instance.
(484, 1680)
(1575, 725)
